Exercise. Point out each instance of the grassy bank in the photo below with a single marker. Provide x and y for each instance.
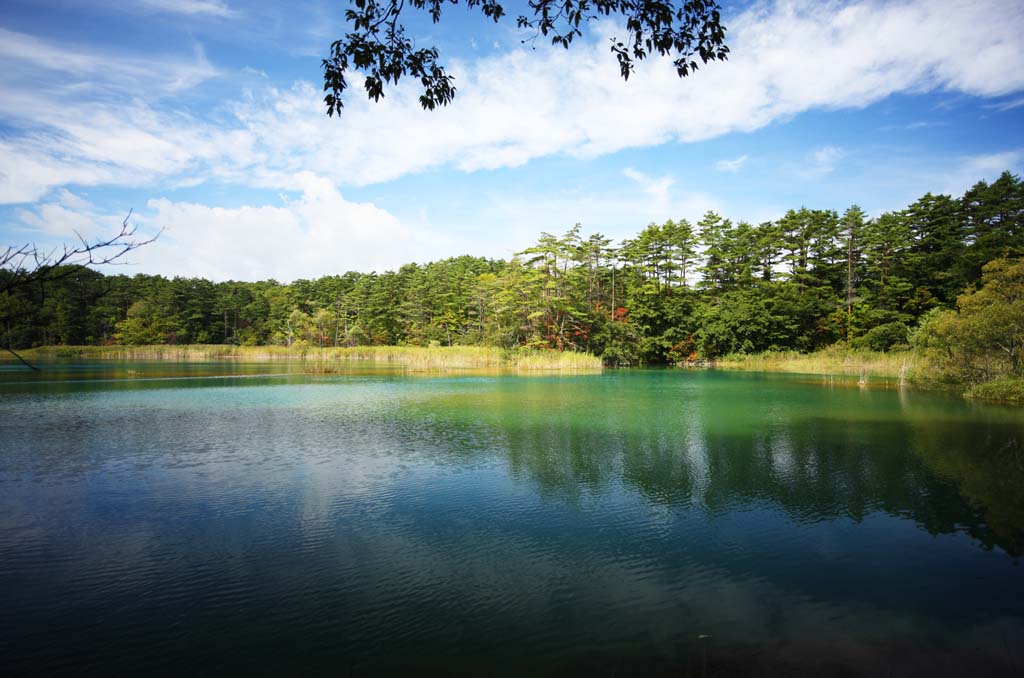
(326, 360)
(837, 361)
(898, 367)
(1000, 390)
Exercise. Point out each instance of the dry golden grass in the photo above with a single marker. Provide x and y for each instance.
(326, 360)
(838, 361)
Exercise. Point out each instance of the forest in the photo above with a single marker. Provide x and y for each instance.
(675, 292)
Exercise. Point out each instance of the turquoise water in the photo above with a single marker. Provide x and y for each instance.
(229, 518)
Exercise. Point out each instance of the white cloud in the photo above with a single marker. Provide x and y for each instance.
(30, 65)
(67, 219)
(657, 188)
(817, 164)
(617, 214)
(131, 145)
(993, 163)
(318, 233)
(1008, 105)
(91, 117)
(788, 57)
(734, 165)
(191, 7)
(823, 161)
(67, 214)
(926, 124)
(971, 169)
(118, 125)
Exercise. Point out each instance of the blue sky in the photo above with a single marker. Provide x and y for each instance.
(205, 118)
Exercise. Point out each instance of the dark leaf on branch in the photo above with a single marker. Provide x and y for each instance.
(378, 46)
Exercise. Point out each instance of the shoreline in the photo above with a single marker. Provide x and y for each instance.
(903, 369)
(899, 369)
(325, 360)
(828, 362)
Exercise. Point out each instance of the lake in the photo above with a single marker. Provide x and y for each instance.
(215, 518)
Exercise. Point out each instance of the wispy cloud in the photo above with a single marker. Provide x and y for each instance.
(734, 165)
(658, 188)
(67, 213)
(31, 65)
(91, 117)
(192, 7)
(117, 123)
(971, 168)
(821, 161)
(1007, 105)
(787, 58)
(617, 212)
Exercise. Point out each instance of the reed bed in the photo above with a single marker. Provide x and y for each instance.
(421, 358)
(332, 359)
(998, 390)
(837, 361)
(183, 353)
(555, 360)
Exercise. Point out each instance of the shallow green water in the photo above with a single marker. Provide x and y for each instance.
(229, 518)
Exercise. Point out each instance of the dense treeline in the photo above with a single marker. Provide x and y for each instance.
(676, 291)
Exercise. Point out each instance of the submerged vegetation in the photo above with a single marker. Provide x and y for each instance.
(904, 294)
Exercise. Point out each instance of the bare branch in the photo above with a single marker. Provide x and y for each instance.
(20, 359)
(29, 265)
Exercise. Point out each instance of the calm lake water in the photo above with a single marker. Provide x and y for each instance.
(205, 519)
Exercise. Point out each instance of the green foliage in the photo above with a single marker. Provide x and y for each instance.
(144, 324)
(984, 338)
(882, 337)
(1002, 390)
(673, 293)
(738, 322)
(993, 220)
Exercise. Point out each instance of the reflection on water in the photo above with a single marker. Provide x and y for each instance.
(634, 522)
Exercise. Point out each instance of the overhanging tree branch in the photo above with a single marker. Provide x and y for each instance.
(377, 45)
(30, 265)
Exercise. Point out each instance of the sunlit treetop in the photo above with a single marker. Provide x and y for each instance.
(379, 47)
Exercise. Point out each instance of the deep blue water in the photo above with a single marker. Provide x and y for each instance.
(627, 523)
